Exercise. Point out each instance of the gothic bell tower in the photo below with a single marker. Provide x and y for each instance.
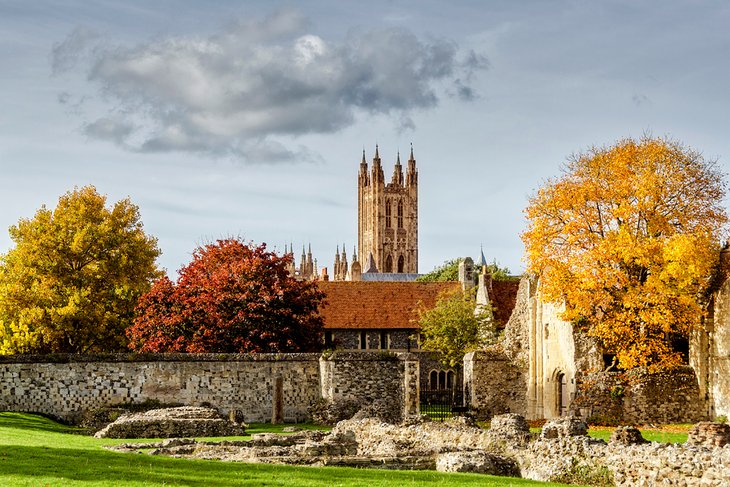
(388, 216)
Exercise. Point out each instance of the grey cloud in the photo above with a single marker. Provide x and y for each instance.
(67, 54)
(115, 130)
(233, 93)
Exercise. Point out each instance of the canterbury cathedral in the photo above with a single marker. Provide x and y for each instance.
(387, 228)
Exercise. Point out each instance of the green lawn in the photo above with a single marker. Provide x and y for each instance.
(673, 433)
(35, 451)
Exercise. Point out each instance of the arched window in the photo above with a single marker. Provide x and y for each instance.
(401, 264)
(442, 380)
(563, 394)
(389, 264)
(450, 379)
(400, 214)
(433, 380)
(387, 213)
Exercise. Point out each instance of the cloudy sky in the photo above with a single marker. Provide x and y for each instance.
(249, 118)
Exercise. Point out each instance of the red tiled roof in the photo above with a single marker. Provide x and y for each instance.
(503, 296)
(378, 305)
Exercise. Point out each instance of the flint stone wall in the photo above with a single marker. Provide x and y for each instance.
(494, 384)
(65, 386)
(368, 377)
(638, 397)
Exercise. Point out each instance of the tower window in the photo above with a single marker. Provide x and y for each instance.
(401, 264)
(389, 264)
(387, 214)
(400, 214)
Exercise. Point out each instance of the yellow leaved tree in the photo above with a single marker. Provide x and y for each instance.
(627, 238)
(72, 280)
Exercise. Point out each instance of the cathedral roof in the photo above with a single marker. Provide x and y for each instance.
(378, 305)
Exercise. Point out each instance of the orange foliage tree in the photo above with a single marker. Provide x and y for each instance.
(627, 239)
(234, 297)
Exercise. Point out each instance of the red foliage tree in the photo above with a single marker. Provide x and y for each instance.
(233, 297)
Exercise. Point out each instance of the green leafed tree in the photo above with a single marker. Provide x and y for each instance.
(72, 280)
(449, 271)
(455, 326)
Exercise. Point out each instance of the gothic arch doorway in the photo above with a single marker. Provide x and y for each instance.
(389, 264)
(562, 393)
(401, 264)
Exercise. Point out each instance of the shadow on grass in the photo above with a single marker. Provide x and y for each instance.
(39, 465)
(36, 422)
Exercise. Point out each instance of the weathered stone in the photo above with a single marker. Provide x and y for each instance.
(709, 434)
(476, 462)
(627, 435)
(511, 427)
(457, 447)
(564, 426)
(171, 423)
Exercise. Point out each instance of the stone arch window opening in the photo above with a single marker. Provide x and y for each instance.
(389, 264)
(400, 213)
(401, 264)
(387, 214)
(441, 379)
(562, 398)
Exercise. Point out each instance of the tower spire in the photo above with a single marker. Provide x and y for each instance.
(397, 179)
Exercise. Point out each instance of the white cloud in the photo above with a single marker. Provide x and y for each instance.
(234, 93)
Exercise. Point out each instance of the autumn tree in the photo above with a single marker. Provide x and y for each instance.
(626, 239)
(455, 327)
(72, 280)
(233, 297)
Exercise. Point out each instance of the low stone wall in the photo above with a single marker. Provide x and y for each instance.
(493, 384)
(638, 397)
(65, 386)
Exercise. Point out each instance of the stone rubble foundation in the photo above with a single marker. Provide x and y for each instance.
(564, 453)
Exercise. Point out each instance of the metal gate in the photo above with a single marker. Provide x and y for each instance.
(442, 404)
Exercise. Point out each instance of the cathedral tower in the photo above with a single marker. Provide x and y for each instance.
(388, 216)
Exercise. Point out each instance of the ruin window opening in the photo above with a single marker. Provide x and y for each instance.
(563, 394)
(434, 380)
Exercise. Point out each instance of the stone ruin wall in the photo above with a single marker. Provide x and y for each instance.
(710, 353)
(66, 386)
(494, 384)
(520, 374)
(368, 377)
(638, 397)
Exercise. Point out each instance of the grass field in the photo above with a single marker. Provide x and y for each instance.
(35, 451)
(671, 433)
